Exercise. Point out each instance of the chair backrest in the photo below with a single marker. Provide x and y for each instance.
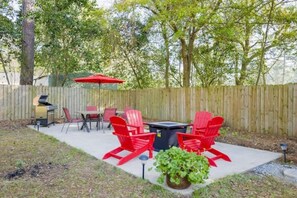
(201, 120)
(124, 116)
(134, 117)
(108, 113)
(122, 132)
(92, 108)
(212, 131)
(67, 114)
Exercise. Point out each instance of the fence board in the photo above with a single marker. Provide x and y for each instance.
(262, 109)
(278, 126)
(294, 99)
(253, 101)
(290, 109)
(258, 109)
(266, 109)
(284, 108)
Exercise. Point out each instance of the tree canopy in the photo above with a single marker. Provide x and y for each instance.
(162, 43)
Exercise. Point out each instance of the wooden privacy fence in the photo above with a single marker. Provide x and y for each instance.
(261, 109)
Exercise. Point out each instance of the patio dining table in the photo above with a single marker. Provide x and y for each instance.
(84, 115)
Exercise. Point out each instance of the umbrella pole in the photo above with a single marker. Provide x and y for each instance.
(100, 116)
(99, 96)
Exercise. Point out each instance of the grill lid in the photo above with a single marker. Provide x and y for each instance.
(40, 100)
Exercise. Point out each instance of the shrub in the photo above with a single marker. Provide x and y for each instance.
(178, 163)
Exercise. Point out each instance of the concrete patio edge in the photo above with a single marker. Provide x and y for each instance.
(97, 143)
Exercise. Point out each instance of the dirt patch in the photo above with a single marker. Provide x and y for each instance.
(37, 170)
(15, 174)
(15, 124)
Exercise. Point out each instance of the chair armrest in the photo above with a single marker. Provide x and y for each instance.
(188, 135)
(131, 131)
(121, 135)
(143, 135)
(200, 131)
(130, 125)
(138, 128)
(201, 128)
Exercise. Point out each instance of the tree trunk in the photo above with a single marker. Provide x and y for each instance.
(243, 72)
(236, 67)
(167, 55)
(261, 70)
(27, 64)
(186, 64)
(245, 58)
(4, 68)
(192, 37)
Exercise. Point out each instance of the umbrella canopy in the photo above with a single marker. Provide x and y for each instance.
(98, 78)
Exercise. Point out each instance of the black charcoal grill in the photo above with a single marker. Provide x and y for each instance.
(44, 111)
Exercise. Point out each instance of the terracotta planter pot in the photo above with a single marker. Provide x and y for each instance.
(184, 183)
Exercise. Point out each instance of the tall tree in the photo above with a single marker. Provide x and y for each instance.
(185, 18)
(129, 52)
(6, 36)
(27, 63)
(257, 27)
(68, 38)
(210, 61)
(167, 53)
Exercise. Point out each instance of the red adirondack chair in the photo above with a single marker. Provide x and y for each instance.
(203, 142)
(93, 117)
(136, 144)
(200, 122)
(134, 119)
(124, 115)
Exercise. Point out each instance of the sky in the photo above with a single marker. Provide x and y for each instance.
(100, 3)
(105, 3)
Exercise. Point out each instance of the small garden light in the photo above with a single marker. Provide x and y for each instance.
(284, 148)
(38, 125)
(143, 159)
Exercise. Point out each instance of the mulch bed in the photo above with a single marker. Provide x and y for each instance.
(261, 141)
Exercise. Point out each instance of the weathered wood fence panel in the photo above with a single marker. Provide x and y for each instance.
(261, 109)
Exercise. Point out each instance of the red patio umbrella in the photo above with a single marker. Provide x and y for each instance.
(98, 78)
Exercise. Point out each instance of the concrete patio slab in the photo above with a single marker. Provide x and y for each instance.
(97, 143)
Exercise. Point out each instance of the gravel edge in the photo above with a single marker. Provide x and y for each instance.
(276, 170)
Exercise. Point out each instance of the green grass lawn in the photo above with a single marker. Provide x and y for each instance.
(36, 165)
(247, 185)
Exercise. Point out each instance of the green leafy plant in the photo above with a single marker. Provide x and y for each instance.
(224, 131)
(178, 163)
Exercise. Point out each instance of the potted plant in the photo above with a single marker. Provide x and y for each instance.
(181, 168)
